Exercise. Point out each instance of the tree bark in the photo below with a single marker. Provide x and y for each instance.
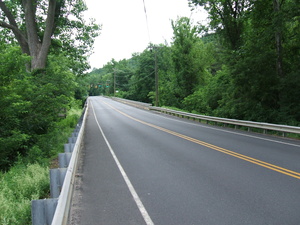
(32, 32)
(32, 45)
(40, 62)
(278, 38)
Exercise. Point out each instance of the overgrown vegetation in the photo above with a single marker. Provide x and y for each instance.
(243, 65)
(17, 188)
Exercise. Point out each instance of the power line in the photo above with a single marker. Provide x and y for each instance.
(135, 82)
(147, 21)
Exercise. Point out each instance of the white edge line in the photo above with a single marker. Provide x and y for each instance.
(134, 194)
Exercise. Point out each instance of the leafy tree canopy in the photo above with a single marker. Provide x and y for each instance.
(40, 26)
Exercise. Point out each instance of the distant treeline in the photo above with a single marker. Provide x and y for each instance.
(243, 65)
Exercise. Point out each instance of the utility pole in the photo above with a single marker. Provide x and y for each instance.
(156, 79)
(156, 73)
(114, 82)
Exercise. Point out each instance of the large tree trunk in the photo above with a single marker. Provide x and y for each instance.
(42, 56)
(278, 38)
(38, 49)
(30, 42)
(29, 7)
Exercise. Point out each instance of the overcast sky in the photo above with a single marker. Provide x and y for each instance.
(124, 25)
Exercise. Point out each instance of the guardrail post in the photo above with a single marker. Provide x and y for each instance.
(57, 177)
(75, 134)
(64, 159)
(72, 139)
(69, 147)
(42, 211)
(77, 129)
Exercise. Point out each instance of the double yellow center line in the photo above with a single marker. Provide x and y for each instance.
(214, 147)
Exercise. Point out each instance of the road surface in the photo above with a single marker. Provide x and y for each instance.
(141, 167)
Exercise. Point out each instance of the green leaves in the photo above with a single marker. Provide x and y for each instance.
(190, 56)
(227, 17)
(31, 102)
(13, 106)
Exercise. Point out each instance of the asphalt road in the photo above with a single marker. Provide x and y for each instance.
(140, 167)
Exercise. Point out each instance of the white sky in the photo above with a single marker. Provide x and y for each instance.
(124, 27)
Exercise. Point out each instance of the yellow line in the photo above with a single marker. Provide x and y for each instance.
(270, 166)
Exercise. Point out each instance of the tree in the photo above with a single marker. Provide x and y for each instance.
(185, 55)
(278, 36)
(13, 106)
(143, 81)
(31, 102)
(261, 57)
(33, 23)
(167, 77)
(227, 17)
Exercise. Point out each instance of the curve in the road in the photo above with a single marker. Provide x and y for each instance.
(214, 147)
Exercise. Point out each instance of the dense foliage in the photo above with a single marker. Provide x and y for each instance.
(31, 102)
(34, 95)
(244, 64)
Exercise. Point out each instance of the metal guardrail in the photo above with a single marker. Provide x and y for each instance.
(55, 210)
(133, 103)
(243, 123)
(64, 201)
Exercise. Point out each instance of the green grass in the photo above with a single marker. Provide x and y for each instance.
(21, 184)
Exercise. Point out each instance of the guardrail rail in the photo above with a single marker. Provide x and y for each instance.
(133, 103)
(55, 210)
(284, 129)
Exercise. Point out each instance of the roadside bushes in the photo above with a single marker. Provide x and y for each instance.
(49, 145)
(30, 102)
(13, 106)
